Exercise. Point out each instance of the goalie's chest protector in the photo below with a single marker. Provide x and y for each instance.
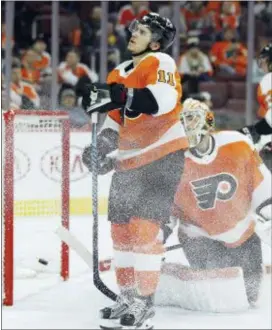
(215, 193)
(145, 138)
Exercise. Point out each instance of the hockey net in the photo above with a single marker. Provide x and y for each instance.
(26, 194)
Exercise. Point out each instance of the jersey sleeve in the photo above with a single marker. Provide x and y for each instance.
(162, 79)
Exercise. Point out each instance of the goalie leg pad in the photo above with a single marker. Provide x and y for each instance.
(216, 290)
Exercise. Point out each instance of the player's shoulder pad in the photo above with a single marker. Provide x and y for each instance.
(164, 60)
(228, 137)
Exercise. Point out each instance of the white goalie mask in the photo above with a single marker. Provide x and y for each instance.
(197, 119)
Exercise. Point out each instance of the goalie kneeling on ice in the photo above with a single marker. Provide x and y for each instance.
(216, 290)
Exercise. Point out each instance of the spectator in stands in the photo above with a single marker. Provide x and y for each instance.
(89, 29)
(29, 73)
(263, 16)
(128, 13)
(72, 72)
(196, 19)
(229, 16)
(22, 94)
(117, 47)
(194, 66)
(204, 97)
(229, 56)
(43, 59)
(166, 10)
(224, 14)
(68, 102)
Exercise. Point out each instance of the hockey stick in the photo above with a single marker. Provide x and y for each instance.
(74, 243)
(99, 284)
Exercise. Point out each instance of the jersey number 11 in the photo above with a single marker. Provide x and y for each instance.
(166, 77)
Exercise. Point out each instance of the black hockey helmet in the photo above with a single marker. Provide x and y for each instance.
(266, 54)
(163, 30)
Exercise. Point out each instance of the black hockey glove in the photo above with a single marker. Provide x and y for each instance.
(104, 164)
(107, 141)
(94, 101)
(89, 96)
(250, 132)
(118, 94)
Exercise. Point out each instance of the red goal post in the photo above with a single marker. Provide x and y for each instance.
(15, 121)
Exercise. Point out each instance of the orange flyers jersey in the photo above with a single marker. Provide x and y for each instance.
(264, 94)
(32, 76)
(70, 76)
(43, 63)
(127, 14)
(17, 91)
(218, 195)
(144, 138)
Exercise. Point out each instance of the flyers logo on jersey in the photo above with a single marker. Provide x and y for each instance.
(207, 190)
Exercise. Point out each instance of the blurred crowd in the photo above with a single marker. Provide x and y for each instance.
(213, 49)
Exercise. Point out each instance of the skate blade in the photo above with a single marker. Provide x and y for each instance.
(124, 327)
(112, 326)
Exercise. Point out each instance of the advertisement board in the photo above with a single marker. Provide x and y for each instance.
(37, 171)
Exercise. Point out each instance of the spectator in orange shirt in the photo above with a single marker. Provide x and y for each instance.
(72, 73)
(43, 61)
(229, 56)
(29, 73)
(224, 14)
(22, 94)
(127, 13)
(196, 19)
(230, 15)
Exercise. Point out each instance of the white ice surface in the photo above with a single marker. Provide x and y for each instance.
(43, 301)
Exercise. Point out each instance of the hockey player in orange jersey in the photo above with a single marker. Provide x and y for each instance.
(149, 141)
(264, 126)
(224, 191)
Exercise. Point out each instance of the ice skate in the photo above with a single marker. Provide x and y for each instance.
(139, 315)
(110, 316)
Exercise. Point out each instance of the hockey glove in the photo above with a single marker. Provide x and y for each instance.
(104, 164)
(107, 141)
(251, 133)
(118, 94)
(94, 101)
(89, 96)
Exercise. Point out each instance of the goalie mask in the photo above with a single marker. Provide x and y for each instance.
(162, 29)
(197, 119)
